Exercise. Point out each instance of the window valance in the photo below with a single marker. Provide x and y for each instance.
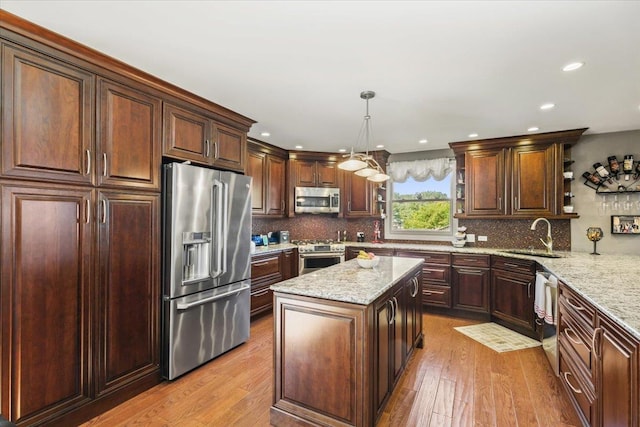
(420, 170)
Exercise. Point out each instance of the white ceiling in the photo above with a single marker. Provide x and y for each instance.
(441, 70)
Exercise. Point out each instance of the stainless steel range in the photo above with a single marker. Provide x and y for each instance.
(317, 254)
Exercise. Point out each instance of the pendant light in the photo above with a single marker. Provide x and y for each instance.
(362, 164)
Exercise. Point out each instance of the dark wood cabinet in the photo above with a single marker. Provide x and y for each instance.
(512, 294)
(436, 273)
(358, 196)
(289, 263)
(518, 176)
(470, 281)
(267, 166)
(48, 118)
(190, 134)
(128, 137)
(128, 288)
(47, 300)
(266, 269)
(316, 173)
(351, 252)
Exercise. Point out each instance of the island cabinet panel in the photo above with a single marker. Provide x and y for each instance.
(320, 379)
(48, 118)
(46, 301)
(128, 137)
(470, 282)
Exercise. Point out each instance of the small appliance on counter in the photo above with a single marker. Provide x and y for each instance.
(360, 236)
(273, 237)
(257, 239)
(284, 237)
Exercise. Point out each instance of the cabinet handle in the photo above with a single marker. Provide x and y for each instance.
(576, 307)
(88, 155)
(87, 210)
(529, 289)
(575, 340)
(594, 347)
(206, 148)
(464, 270)
(260, 264)
(349, 205)
(499, 203)
(259, 294)
(395, 307)
(470, 259)
(415, 287)
(215, 149)
(390, 316)
(104, 211)
(282, 204)
(566, 378)
(515, 202)
(508, 264)
(104, 164)
(434, 292)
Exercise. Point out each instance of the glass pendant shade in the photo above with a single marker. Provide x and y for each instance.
(379, 177)
(366, 172)
(352, 164)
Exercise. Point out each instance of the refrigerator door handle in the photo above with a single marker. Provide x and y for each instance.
(217, 197)
(187, 306)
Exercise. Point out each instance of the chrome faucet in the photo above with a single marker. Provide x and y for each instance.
(549, 241)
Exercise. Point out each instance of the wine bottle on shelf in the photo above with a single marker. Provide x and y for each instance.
(614, 166)
(601, 170)
(627, 164)
(593, 178)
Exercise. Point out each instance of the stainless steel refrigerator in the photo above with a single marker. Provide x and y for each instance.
(206, 265)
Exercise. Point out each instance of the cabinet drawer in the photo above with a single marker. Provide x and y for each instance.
(573, 342)
(261, 298)
(429, 257)
(436, 273)
(578, 390)
(577, 307)
(516, 265)
(436, 295)
(470, 260)
(265, 265)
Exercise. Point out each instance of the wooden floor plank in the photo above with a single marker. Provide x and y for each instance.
(453, 381)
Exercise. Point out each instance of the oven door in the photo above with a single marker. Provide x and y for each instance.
(312, 261)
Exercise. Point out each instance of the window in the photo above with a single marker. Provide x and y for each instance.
(420, 210)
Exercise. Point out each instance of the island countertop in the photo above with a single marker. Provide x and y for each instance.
(348, 282)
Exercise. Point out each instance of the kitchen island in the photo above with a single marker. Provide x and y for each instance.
(342, 336)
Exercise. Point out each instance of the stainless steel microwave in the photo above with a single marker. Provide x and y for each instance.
(317, 200)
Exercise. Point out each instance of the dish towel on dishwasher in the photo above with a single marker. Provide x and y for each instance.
(546, 289)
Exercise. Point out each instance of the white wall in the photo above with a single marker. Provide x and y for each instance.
(591, 149)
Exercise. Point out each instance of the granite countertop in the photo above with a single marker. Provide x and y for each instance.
(273, 248)
(348, 282)
(610, 282)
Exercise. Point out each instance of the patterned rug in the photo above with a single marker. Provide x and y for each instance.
(497, 338)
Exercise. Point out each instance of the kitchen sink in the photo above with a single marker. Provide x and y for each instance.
(532, 253)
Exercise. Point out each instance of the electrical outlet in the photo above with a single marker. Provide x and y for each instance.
(471, 238)
(482, 238)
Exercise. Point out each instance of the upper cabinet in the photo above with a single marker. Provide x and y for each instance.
(357, 196)
(266, 164)
(316, 173)
(47, 116)
(190, 134)
(519, 177)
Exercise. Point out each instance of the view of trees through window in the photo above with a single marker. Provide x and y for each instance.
(421, 206)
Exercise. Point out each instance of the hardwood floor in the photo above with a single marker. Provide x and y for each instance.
(453, 381)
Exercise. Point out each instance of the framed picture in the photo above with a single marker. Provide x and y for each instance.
(623, 224)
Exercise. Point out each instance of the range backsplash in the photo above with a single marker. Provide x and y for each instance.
(503, 233)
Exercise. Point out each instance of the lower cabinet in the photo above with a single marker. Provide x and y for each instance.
(436, 287)
(74, 337)
(512, 294)
(267, 269)
(470, 282)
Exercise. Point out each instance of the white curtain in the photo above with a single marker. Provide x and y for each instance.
(420, 170)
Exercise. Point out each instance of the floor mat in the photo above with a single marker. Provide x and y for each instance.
(497, 338)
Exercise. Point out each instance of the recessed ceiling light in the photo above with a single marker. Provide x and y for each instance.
(342, 150)
(299, 147)
(423, 141)
(572, 66)
(265, 134)
(547, 106)
(379, 146)
(473, 135)
(533, 129)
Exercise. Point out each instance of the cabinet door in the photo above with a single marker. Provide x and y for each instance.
(289, 264)
(256, 169)
(399, 331)
(512, 300)
(413, 298)
(382, 363)
(275, 186)
(128, 139)
(186, 134)
(358, 196)
(470, 289)
(618, 379)
(533, 180)
(47, 116)
(229, 148)
(305, 173)
(485, 182)
(326, 174)
(128, 288)
(45, 296)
